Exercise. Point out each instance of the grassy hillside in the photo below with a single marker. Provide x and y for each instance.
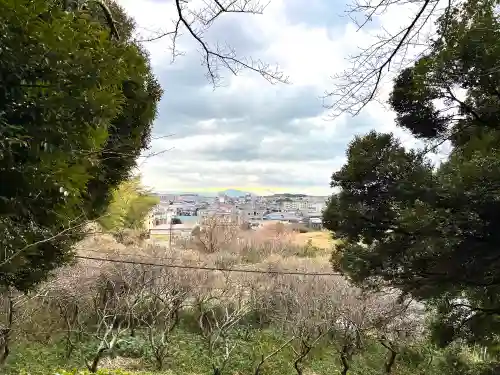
(188, 355)
(168, 312)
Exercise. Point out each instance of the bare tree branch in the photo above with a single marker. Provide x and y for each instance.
(219, 56)
(272, 354)
(360, 84)
(64, 232)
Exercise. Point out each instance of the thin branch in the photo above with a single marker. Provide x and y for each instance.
(269, 356)
(217, 57)
(359, 85)
(45, 240)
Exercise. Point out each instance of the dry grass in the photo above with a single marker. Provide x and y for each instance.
(321, 239)
(249, 248)
(122, 363)
(262, 249)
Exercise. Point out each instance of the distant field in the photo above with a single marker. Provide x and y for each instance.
(160, 237)
(321, 239)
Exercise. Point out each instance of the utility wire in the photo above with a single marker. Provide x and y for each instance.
(119, 253)
(203, 268)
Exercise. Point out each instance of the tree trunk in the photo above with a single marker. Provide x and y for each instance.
(69, 346)
(297, 367)
(390, 361)
(345, 364)
(393, 353)
(159, 363)
(160, 356)
(5, 354)
(298, 361)
(345, 358)
(5, 333)
(95, 363)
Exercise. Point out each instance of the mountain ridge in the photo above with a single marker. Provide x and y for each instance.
(234, 193)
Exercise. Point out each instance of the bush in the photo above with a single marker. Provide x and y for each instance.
(309, 250)
(245, 226)
(130, 237)
(133, 347)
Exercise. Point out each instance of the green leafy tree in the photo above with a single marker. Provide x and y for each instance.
(129, 207)
(432, 231)
(76, 109)
(90, 5)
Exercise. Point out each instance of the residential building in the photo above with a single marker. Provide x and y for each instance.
(182, 230)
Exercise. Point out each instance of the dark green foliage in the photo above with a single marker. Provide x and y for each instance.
(176, 220)
(433, 232)
(415, 108)
(76, 110)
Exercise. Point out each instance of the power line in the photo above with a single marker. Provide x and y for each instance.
(138, 255)
(206, 268)
(132, 255)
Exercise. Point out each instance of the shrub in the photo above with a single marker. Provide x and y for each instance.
(309, 250)
(99, 372)
(132, 347)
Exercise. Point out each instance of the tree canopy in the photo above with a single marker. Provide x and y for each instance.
(129, 207)
(76, 110)
(432, 230)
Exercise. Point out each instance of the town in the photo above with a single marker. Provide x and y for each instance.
(180, 214)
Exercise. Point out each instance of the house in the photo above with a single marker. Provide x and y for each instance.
(283, 217)
(175, 230)
(316, 223)
(247, 212)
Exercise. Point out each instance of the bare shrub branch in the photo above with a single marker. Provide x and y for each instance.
(119, 292)
(218, 321)
(160, 312)
(272, 354)
(102, 302)
(216, 234)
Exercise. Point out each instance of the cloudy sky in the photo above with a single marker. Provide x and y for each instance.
(249, 134)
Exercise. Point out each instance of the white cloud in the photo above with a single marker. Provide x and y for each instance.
(249, 133)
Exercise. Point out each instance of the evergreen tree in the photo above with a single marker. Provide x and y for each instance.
(76, 109)
(432, 231)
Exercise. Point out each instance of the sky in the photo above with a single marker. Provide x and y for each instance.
(249, 134)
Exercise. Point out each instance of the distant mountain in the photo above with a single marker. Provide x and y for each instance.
(232, 193)
(289, 195)
(180, 193)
